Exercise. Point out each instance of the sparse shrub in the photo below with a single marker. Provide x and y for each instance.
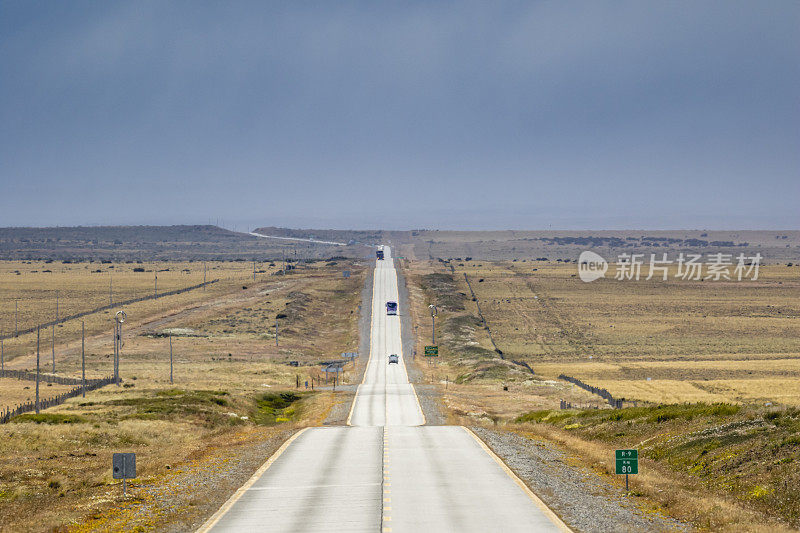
(49, 418)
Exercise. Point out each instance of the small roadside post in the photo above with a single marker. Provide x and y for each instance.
(170, 359)
(627, 462)
(83, 358)
(124, 468)
(37, 370)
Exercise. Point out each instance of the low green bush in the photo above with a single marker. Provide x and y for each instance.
(49, 418)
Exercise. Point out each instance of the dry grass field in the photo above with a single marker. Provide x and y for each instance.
(32, 286)
(16, 391)
(695, 341)
(234, 393)
(475, 381)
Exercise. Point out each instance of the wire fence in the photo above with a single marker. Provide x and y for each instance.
(499, 352)
(46, 325)
(569, 405)
(47, 378)
(616, 403)
(91, 384)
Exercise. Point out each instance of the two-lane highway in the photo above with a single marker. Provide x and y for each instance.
(387, 471)
(385, 397)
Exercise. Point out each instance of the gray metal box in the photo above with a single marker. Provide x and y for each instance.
(124, 465)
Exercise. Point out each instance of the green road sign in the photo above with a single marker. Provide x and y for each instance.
(432, 351)
(627, 461)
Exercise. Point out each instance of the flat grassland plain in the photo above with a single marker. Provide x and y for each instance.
(656, 341)
(714, 367)
(774, 246)
(233, 401)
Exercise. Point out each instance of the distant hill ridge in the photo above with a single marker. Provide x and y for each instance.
(177, 233)
(208, 242)
(178, 242)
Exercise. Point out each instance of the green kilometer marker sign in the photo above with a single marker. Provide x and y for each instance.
(627, 461)
(431, 351)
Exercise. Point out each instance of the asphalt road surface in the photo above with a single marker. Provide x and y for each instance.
(387, 471)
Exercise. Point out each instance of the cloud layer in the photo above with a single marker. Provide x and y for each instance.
(529, 114)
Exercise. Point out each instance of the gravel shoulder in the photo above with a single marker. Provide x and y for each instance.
(580, 497)
(346, 394)
(428, 395)
(338, 414)
(364, 325)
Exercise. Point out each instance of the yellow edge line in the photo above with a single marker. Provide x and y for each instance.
(539, 503)
(371, 320)
(216, 517)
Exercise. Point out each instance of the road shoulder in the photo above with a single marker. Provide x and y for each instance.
(583, 500)
(428, 395)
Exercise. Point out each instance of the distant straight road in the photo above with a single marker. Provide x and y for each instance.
(254, 234)
(387, 471)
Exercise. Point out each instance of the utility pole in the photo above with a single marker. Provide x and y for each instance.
(53, 345)
(37, 370)
(155, 286)
(119, 318)
(114, 371)
(83, 357)
(56, 306)
(433, 323)
(170, 359)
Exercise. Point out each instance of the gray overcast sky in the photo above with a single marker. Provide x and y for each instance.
(401, 115)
